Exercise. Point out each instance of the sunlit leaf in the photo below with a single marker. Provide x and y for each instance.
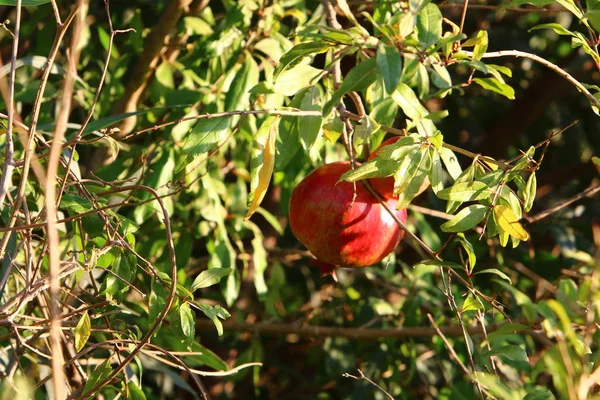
(467, 191)
(209, 277)
(389, 63)
(263, 161)
(530, 191)
(494, 271)
(509, 222)
(187, 320)
(471, 304)
(495, 85)
(436, 173)
(429, 25)
(466, 219)
(357, 79)
(206, 135)
(82, 331)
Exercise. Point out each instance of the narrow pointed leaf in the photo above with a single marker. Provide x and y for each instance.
(359, 78)
(389, 64)
(209, 277)
(466, 219)
(263, 162)
(82, 331)
(529, 193)
(429, 25)
(436, 173)
(467, 191)
(495, 85)
(206, 135)
(297, 53)
(187, 320)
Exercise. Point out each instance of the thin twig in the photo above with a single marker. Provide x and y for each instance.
(363, 377)
(168, 302)
(8, 167)
(53, 237)
(454, 355)
(292, 113)
(522, 54)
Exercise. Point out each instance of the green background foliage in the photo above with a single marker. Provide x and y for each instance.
(204, 115)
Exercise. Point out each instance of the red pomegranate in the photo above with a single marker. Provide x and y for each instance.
(338, 229)
(385, 186)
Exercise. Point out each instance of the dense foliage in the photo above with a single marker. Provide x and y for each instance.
(150, 149)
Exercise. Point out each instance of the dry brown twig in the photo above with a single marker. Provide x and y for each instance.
(363, 377)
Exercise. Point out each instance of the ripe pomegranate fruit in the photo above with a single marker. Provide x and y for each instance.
(338, 228)
(385, 186)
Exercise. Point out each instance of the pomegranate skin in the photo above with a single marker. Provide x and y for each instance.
(385, 186)
(338, 230)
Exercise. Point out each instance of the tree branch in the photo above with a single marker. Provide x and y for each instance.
(351, 333)
(522, 54)
(146, 64)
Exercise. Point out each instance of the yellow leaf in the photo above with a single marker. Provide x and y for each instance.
(509, 222)
(82, 331)
(263, 161)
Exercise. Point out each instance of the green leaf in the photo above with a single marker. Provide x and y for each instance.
(197, 26)
(468, 248)
(495, 271)
(508, 329)
(389, 64)
(75, 204)
(297, 53)
(187, 320)
(495, 85)
(209, 277)
(206, 135)
(511, 352)
(157, 300)
(412, 107)
(429, 25)
(440, 77)
(412, 181)
(359, 78)
(466, 219)
(262, 163)
(450, 162)
(214, 313)
(471, 304)
(530, 191)
(291, 81)
(309, 127)
(570, 5)
(239, 91)
(100, 373)
(82, 331)
(436, 173)
(479, 43)
(467, 191)
(135, 393)
(377, 168)
(558, 28)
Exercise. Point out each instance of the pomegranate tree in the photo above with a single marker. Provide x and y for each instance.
(342, 224)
